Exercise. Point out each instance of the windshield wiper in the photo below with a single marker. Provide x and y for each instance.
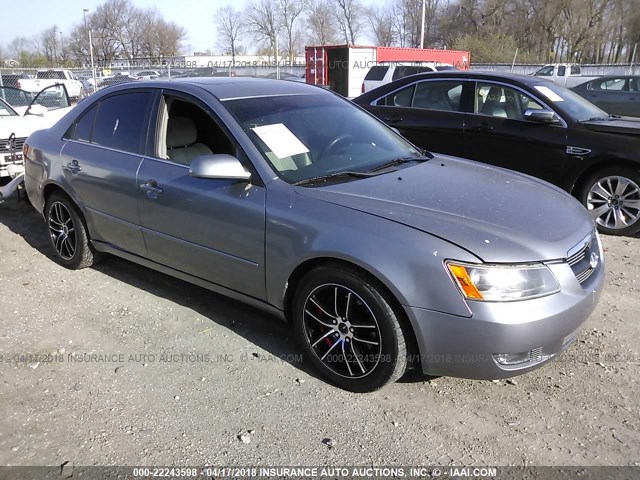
(398, 161)
(595, 119)
(331, 176)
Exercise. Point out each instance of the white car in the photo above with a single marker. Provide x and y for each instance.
(148, 75)
(21, 114)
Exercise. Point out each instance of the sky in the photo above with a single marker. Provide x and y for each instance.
(196, 16)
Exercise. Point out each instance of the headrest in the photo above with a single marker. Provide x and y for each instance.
(181, 132)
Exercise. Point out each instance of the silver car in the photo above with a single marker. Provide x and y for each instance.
(288, 197)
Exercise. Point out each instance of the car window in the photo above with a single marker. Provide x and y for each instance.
(188, 131)
(546, 71)
(81, 129)
(6, 110)
(634, 84)
(302, 137)
(500, 101)
(562, 70)
(16, 97)
(377, 72)
(120, 121)
(399, 98)
(608, 84)
(574, 70)
(402, 71)
(438, 95)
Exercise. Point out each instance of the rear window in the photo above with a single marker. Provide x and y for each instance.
(402, 71)
(376, 73)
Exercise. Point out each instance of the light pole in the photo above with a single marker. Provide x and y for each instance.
(422, 29)
(93, 69)
(61, 48)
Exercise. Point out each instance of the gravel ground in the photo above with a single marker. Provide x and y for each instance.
(182, 376)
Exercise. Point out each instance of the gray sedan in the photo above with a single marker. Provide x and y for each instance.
(286, 196)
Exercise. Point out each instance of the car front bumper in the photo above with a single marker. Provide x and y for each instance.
(467, 347)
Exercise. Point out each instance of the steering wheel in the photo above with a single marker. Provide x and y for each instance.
(341, 140)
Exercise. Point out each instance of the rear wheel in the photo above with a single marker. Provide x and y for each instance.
(68, 233)
(612, 196)
(349, 329)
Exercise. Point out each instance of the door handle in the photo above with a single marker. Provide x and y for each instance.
(483, 127)
(152, 188)
(74, 167)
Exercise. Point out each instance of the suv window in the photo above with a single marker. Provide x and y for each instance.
(377, 72)
(574, 70)
(120, 121)
(402, 71)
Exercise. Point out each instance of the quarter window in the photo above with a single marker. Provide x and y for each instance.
(84, 125)
(120, 121)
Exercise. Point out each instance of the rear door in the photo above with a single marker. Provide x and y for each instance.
(619, 96)
(209, 228)
(100, 161)
(497, 133)
(429, 113)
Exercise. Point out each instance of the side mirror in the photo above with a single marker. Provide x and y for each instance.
(37, 109)
(540, 116)
(221, 166)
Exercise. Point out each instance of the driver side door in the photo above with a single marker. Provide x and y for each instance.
(213, 229)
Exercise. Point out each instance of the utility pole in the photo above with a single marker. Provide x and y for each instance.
(424, 8)
(93, 68)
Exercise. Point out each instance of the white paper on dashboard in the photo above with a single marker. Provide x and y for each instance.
(280, 140)
(550, 94)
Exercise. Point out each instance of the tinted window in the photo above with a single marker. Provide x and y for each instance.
(634, 84)
(561, 70)
(376, 73)
(120, 122)
(575, 70)
(400, 98)
(499, 101)
(441, 95)
(84, 125)
(609, 84)
(402, 71)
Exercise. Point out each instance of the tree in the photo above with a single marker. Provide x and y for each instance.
(321, 23)
(349, 15)
(229, 27)
(264, 21)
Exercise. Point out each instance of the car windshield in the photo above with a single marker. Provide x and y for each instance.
(308, 136)
(6, 110)
(570, 102)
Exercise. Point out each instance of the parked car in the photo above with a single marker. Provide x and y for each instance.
(148, 75)
(290, 198)
(117, 80)
(53, 76)
(379, 75)
(21, 113)
(524, 123)
(616, 94)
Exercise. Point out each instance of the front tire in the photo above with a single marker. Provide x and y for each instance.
(68, 233)
(349, 329)
(612, 196)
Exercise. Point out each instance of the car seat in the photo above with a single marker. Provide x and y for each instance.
(182, 145)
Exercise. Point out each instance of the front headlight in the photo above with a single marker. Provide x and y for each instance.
(503, 283)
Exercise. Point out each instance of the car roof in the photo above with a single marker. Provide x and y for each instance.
(479, 74)
(227, 88)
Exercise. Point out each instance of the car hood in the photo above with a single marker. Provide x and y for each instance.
(23, 126)
(497, 215)
(628, 125)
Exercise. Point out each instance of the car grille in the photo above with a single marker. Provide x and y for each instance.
(4, 144)
(580, 258)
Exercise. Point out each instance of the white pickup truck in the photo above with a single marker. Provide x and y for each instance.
(565, 74)
(56, 76)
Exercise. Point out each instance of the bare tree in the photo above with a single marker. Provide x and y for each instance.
(321, 23)
(291, 11)
(229, 23)
(350, 17)
(264, 20)
(381, 20)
